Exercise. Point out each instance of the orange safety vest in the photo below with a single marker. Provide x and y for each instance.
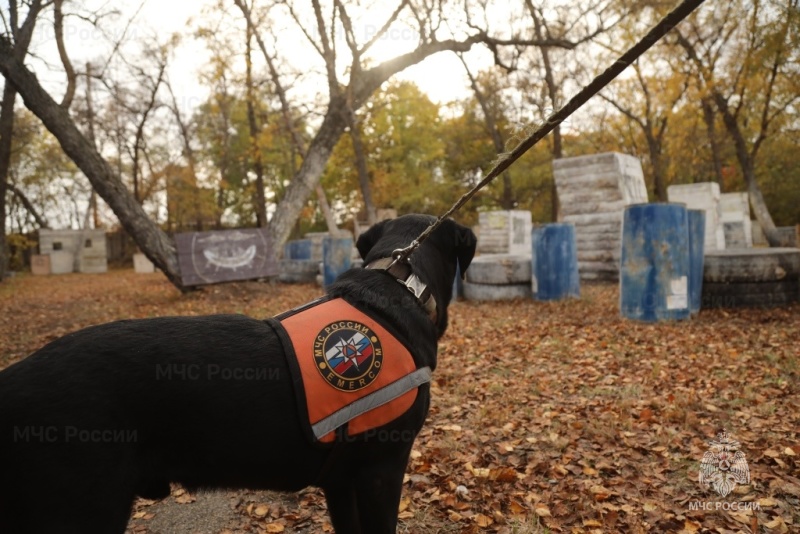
(347, 368)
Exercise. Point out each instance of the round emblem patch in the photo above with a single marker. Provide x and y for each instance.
(348, 355)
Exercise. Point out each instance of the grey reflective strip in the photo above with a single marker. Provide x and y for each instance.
(372, 401)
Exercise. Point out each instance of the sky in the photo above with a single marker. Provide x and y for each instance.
(441, 76)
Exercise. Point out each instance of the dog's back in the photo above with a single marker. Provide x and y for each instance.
(122, 409)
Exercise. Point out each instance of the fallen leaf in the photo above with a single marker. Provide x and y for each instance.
(482, 520)
(542, 511)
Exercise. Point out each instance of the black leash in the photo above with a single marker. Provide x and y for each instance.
(659, 30)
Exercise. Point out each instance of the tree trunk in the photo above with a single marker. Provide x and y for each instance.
(552, 93)
(743, 155)
(557, 154)
(22, 34)
(747, 164)
(6, 133)
(297, 140)
(654, 147)
(307, 178)
(711, 130)
(334, 125)
(260, 199)
(89, 127)
(155, 244)
(361, 166)
(327, 213)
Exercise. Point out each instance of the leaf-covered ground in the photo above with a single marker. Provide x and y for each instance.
(546, 417)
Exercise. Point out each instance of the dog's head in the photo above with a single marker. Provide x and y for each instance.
(450, 247)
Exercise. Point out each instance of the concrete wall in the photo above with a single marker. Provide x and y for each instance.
(735, 217)
(85, 249)
(504, 232)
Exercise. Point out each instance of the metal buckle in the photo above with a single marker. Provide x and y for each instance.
(415, 285)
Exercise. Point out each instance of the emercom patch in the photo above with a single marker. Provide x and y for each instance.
(348, 355)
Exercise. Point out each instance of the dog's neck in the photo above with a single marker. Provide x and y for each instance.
(404, 275)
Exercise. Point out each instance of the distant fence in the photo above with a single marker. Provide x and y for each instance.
(121, 248)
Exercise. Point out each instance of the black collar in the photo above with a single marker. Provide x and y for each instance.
(403, 273)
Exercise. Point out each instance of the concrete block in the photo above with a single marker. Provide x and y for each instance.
(504, 232)
(62, 262)
(481, 292)
(92, 264)
(703, 196)
(141, 264)
(593, 191)
(40, 264)
(500, 269)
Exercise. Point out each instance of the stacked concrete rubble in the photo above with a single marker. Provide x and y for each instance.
(502, 271)
(735, 218)
(703, 196)
(593, 192)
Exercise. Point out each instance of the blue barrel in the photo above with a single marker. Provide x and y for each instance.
(299, 249)
(336, 257)
(554, 262)
(654, 274)
(697, 240)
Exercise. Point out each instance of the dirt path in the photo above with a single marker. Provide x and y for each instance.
(222, 512)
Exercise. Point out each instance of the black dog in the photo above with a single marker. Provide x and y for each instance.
(120, 410)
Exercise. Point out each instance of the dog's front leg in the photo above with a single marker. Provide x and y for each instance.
(379, 486)
(363, 488)
(342, 506)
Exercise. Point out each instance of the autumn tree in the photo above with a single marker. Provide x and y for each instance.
(348, 89)
(404, 148)
(19, 31)
(648, 103)
(489, 98)
(543, 71)
(103, 177)
(745, 57)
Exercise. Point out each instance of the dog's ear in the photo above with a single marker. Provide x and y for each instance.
(368, 239)
(465, 248)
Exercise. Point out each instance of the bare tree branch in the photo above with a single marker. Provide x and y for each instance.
(28, 205)
(302, 27)
(327, 52)
(506, 200)
(152, 240)
(22, 38)
(382, 31)
(138, 143)
(58, 26)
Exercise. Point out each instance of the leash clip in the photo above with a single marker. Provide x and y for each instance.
(402, 254)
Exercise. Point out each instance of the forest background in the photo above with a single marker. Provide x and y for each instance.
(302, 116)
